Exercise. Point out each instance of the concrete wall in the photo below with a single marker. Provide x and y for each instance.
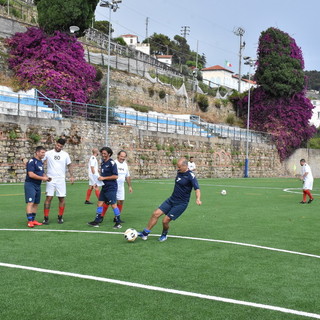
(151, 154)
(312, 156)
(10, 27)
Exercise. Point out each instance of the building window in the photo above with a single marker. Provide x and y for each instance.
(131, 40)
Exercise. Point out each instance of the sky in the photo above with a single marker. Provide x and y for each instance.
(212, 24)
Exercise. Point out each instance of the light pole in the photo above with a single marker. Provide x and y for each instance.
(251, 62)
(240, 32)
(112, 5)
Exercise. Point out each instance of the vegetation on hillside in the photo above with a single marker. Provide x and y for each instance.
(279, 105)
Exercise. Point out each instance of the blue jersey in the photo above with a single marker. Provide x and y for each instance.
(108, 169)
(183, 186)
(36, 166)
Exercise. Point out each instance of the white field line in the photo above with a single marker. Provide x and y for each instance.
(160, 289)
(178, 237)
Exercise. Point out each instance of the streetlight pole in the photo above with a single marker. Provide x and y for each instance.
(112, 5)
(240, 32)
(250, 62)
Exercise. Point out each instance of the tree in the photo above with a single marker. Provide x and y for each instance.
(159, 44)
(61, 14)
(279, 105)
(103, 26)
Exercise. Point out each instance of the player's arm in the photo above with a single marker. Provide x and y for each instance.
(92, 170)
(198, 197)
(70, 169)
(32, 175)
(128, 179)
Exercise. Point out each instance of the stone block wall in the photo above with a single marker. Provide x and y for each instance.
(150, 154)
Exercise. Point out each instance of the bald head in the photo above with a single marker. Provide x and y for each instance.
(95, 151)
(182, 165)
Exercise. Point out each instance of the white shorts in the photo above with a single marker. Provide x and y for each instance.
(57, 185)
(120, 192)
(307, 184)
(92, 180)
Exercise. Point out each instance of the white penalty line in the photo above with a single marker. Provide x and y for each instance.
(160, 289)
(178, 237)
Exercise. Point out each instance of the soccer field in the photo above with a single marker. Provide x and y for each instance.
(252, 254)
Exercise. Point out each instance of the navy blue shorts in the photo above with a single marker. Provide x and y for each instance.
(173, 209)
(108, 197)
(32, 192)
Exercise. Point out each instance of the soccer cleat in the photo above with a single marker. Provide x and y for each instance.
(94, 224)
(115, 220)
(302, 202)
(162, 238)
(60, 220)
(117, 226)
(36, 223)
(310, 200)
(30, 224)
(88, 202)
(142, 236)
(45, 220)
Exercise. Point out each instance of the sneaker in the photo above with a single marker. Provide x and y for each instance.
(115, 220)
(30, 224)
(60, 220)
(302, 202)
(88, 202)
(310, 200)
(117, 226)
(36, 223)
(142, 236)
(45, 220)
(162, 238)
(94, 224)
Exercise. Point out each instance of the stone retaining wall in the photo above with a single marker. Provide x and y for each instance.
(151, 154)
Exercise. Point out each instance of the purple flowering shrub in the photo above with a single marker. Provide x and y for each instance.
(279, 105)
(55, 65)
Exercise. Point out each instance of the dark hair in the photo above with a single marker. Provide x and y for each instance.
(122, 151)
(40, 148)
(61, 141)
(302, 160)
(109, 150)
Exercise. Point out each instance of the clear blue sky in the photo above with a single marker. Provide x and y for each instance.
(212, 23)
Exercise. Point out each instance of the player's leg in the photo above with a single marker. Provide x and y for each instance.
(112, 197)
(50, 189)
(88, 195)
(97, 191)
(174, 213)
(99, 218)
(308, 192)
(61, 192)
(152, 222)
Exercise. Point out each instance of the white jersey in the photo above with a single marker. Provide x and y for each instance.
(57, 163)
(93, 162)
(123, 172)
(191, 166)
(308, 180)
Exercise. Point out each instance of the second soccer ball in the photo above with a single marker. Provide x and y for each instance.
(223, 192)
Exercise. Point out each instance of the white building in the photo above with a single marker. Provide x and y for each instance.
(216, 76)
(167, 59)
(132, 41)
(315, 119)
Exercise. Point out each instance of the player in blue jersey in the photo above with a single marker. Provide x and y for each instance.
(174, 206)
(32, 186)
(108, 193)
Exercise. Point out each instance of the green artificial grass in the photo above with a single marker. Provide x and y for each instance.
(254, 211)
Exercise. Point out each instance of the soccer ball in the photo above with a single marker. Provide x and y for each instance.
(223, 192)
(131, 234)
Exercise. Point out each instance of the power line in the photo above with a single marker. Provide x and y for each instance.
(185, 31)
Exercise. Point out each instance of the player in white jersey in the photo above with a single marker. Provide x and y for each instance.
(191, 164)
(57, 162)
(123, 175)
(307, 178)
(93, 174)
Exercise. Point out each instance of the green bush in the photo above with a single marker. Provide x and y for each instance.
(203, 102)
(314, 143)
(230, 119)
(151, 92)
(141, 108)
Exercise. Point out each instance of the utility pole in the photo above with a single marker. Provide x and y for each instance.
(240, 32)
(185, 31)
(147, 25)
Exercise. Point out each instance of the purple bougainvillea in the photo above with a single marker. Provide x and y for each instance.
(53, 64)
(279, 105)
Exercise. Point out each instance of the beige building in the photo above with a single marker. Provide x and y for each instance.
(132, 41)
